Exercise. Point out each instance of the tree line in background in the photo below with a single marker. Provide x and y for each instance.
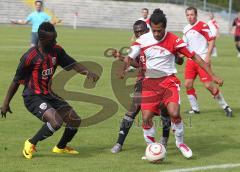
(224, 3)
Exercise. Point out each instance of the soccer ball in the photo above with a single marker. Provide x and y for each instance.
(155, 152)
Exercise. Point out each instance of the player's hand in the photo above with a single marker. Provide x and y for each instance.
(4, 109)
(217, 80)
(117, 55)
(13, 21)
(94, 77)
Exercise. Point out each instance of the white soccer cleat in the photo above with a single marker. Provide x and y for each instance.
(185, 150)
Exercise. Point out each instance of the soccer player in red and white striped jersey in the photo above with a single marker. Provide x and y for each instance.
(199, 39)
(160, 85)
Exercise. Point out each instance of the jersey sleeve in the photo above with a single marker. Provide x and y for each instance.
(47, 17)
(63, 59)
(29, 18)
(181, 47)
(206, 32)
(23, 69)
(135, 50)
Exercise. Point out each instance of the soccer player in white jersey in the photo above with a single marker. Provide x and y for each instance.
(199, 39)
(214, 28)
(145, 17)
(160, 85)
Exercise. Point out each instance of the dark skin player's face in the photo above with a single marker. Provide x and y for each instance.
(158, 31)
(139, 30)
(48, 44)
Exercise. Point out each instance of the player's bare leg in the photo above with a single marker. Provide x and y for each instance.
(178, 129)
(192, 96)
(214, 90)
(53, 122)
(72, 121)
(148, 128)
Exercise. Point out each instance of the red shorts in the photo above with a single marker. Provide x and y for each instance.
(192, 69)
(157, 91)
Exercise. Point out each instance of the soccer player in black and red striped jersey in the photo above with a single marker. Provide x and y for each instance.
(35, 71)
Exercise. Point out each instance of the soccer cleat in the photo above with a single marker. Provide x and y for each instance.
(67, 150)
(164, 141)
(116, 148)
(228, 111)
(28, 149)
(193, 111)
(185, 150)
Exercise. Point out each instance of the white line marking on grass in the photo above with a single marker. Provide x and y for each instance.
(203, 168)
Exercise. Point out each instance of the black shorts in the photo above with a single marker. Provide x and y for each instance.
(39, 104)
(237, 38)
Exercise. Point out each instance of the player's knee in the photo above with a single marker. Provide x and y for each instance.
(188, 85)
(174, 114)
(146, 123)
(208, 85)
(56, 124)
(73, 120)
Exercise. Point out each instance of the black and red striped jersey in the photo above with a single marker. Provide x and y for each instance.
(36, 70)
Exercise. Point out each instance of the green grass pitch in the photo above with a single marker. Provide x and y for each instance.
(214, 138)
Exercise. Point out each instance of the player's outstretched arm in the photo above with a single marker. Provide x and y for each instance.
(84, 71)
(56, 21)
(206, 67)
(21, 22)
(11, 92)
(120, 57)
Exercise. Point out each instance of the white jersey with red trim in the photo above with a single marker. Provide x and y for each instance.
(147, 21)
(160, 55)
(214, 27)
(197, 36)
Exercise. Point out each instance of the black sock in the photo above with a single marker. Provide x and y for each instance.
(124, 129)
(166, 123)
(45, 132)
(66, 137)
(238, 48)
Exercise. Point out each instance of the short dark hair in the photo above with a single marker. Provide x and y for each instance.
(39, 1)
(142, 23)
(46, 31)
(158, 17)
(191, 8)
(145, 9)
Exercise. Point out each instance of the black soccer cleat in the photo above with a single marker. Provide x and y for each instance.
(228, 111)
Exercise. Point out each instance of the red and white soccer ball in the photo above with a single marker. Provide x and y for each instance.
(155, 152)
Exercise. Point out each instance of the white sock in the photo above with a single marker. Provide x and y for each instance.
(193, 102)
(149, 135)
(178, 130)
(221, 101)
